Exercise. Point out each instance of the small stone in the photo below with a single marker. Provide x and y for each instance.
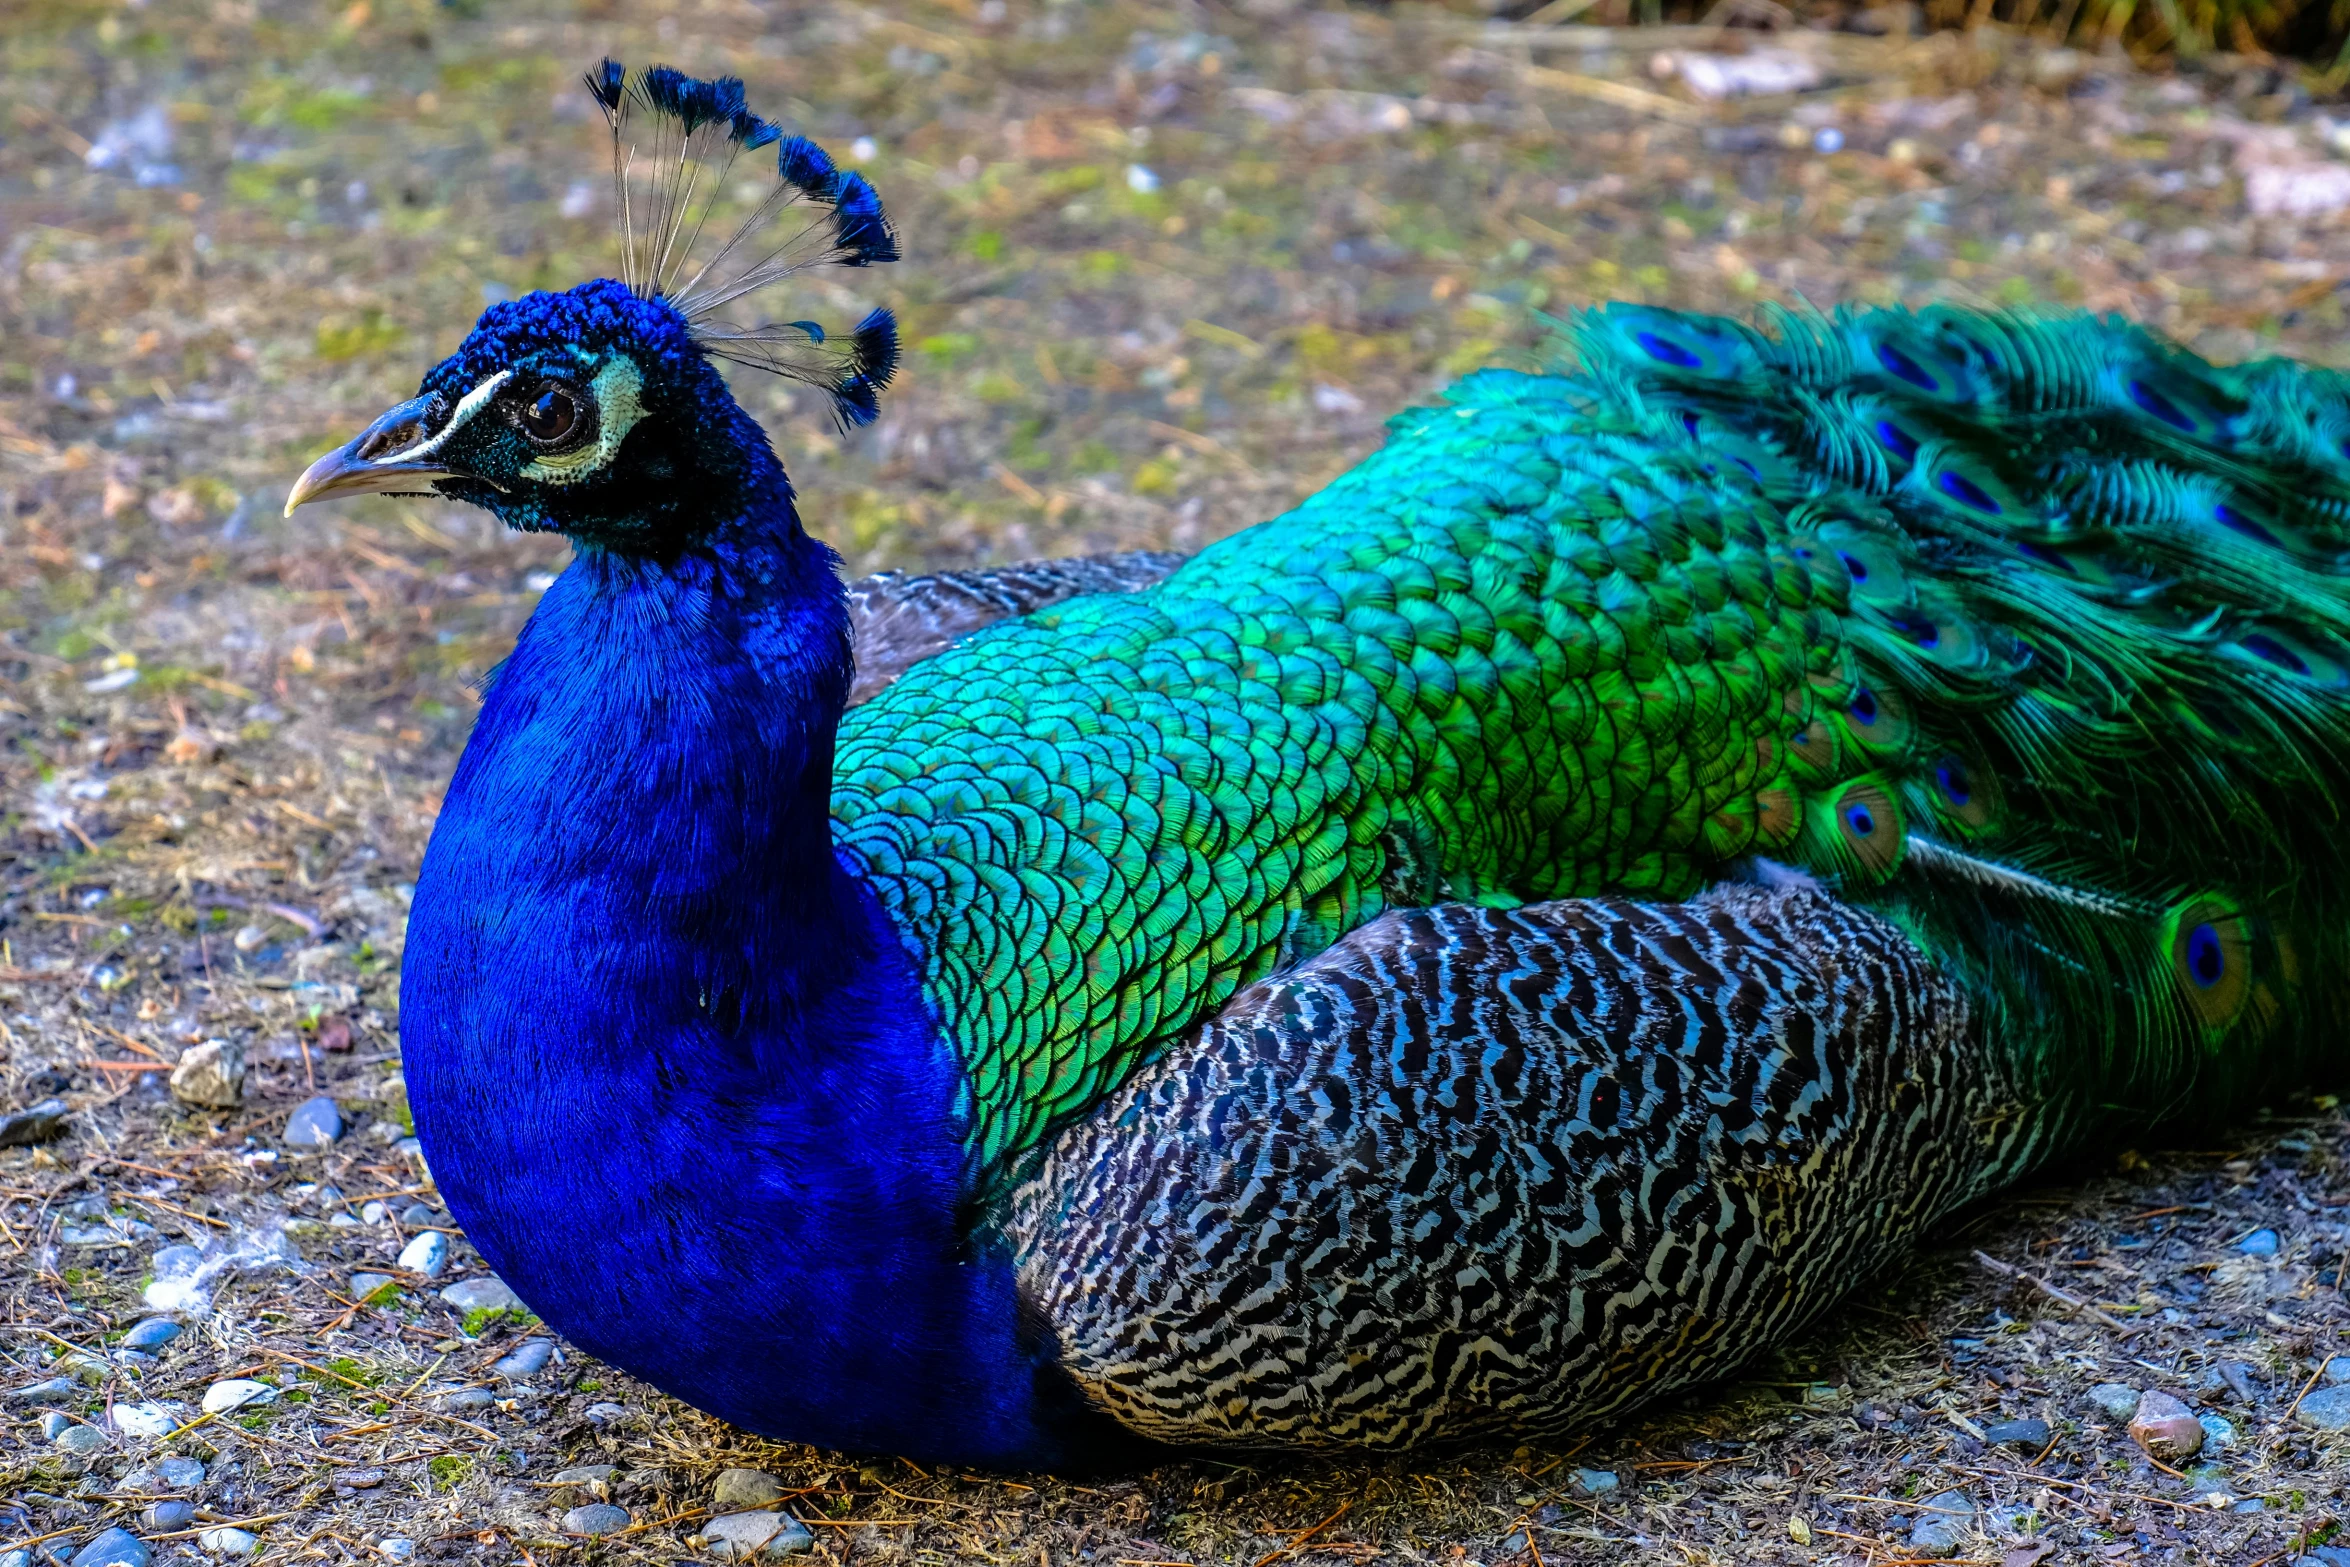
(163, 1517)
(54, 1423)
(236, 1393)
(181, 1474)
(2166, 1428)
(40, 1123)
(398, 1547)
(81, 1441)
(596, 1518)
(151, 1334)
(469, 1398)
(528, 1359)
(487, 1293)
(2260, 1243)
(1948, 1521)
(251, 938)
(2114, 1400)
(113, 1548)
(374, 1213)
(605, 1414)
(594, 1475)
(210, 1075)
(2027, 1436)
(1593, 1482)
(743, 1489)
(2218, 1430)
(427, 1254)
(149, 1420)
(315, 1123)
(2328, 1408)
(417, 1216)
(2337, 1370)
(229, 1542)
(52, 1391)
(2250, 1504)
(364, 1285)
(739, 1537)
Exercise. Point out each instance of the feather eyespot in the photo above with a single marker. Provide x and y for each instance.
(2207, 957)
(1863, 707)
(2161, 407)
(2210, 953)
(1896, 440)
(1967, 492)
(1859, 819)
(1956, 783)
(1855, 565)
(1915, 627)
(2228, 517)
(1667, 352)
(2263, 646)
(1908, 369)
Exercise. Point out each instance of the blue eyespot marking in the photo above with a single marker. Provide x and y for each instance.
(1860, 819)
(1856, 566)
(2046, 557)
(2261, 645)
(1958, 786)
(1667, 352)
(1752, 472)
(1966, 491)
(1908, 369)
(2228, 517)
(1917, 628)
(1689, 422)
(2207, 959)
(2160, 406)
(1896, 440)
(1863, 710)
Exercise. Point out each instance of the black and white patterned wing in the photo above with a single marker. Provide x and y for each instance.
(1475, 1169)
(898, 619)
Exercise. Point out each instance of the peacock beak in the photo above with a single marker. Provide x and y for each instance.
(379, 460)
(400, 451)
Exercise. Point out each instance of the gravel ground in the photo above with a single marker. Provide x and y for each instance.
(1168, 269)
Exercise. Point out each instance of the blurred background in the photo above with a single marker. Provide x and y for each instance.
(1167, 269)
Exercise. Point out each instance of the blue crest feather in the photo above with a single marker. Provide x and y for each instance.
(669, 190)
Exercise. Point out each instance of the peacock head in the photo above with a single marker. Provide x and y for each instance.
(600, 411)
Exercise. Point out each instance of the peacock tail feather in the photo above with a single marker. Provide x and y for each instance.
(2029, 633)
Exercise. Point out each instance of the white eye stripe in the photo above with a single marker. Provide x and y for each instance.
(473, 403)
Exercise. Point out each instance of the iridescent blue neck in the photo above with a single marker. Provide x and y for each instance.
(670, 1062)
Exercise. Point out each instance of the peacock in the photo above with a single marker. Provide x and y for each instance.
(1519, 934)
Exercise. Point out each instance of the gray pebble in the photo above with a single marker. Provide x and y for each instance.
(487, 1293)
(427, 1254)
(1593, 1482)
(16, 1558)
(2260, 1243)
(417, 1216)
(163, 1517)
(315, 1123)
(1948, 1522)
(226, 1541)
(528, 1359)
(366, 1284)
(49, 1392)
(175, 1262)
(740, 1537)
(181, 1474)
(742, 1489)
(113, 1548)
(469, 1398)
(2338, 1370)
(81, 1440)
(41, 1123)
(2328, 1408)
(153, 1333)
(585, 1474)
(2114, 1400)
(2025, 1435)
(605, 1414)
(2218, 1430)
(54, 1424)
(2250, 1504)
(596, 1518)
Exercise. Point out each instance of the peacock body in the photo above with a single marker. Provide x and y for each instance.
(1516, 934)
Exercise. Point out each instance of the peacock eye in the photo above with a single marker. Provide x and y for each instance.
(551, 417)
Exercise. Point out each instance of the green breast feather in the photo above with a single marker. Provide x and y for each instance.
(2029, 633)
